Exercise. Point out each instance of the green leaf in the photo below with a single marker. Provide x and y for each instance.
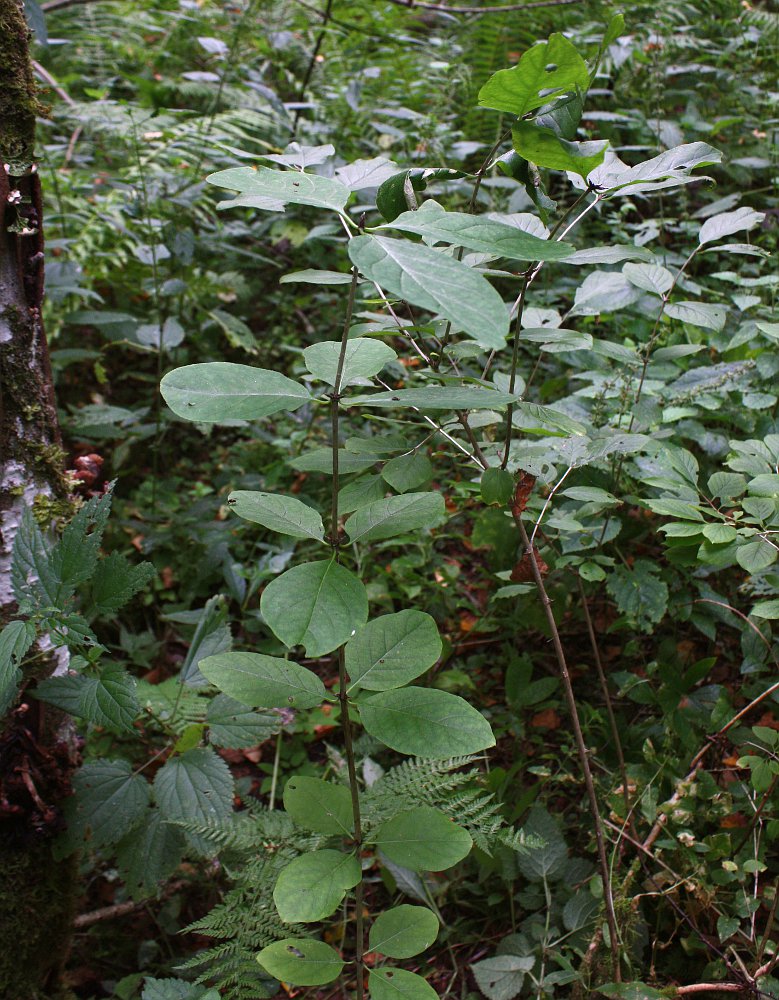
(220, 390)
(668, 170)
(319, 805)
(321, 459)
(403, 931)
(149, 854)
(313, 277)
(392, 650)
(766, 609)
(363, 359)
(590, 494)
(543, 147)
(407, 472)
(435, 281)
(501, 977)
(424, 722)
(478, 233)
(649, 277)
(232, 725)
(702, 314)
(110, 800)
(15, 639)
(755, 555)
(317, 605)
(424, 840)
(212, 636)
(630, 991)
(640, 594)
(440, 398)
(546, 856)
(286, 515)
(603, 291)
(398, 192)
(497, 486)
(262, 681)
(312, 886)
(262, 187)
(398, 984)
(764, 485)
(360, 493)
(395, 515)
(614, 29)
(545, 71)
(194, 787)
(107, 699)
(727, 485)
(727, 223)
(116, 581)
(301, 962)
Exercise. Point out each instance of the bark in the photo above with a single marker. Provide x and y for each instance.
(37, 748)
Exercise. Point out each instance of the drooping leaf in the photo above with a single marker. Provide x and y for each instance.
(319, 805)
(392, 650)
(265, 188)
(284, 514)
(603, 291)
(649, 277)
(398, 192)
(220, 390)
(426, 723)
(15, 639)
(434, 281)
(212, 636)
(395, 515)
(546, 149)
(497, 486)
(261, 681)
(670, 169)
(403, 931)
(398, 984)
(317, 605)
(424, 840)
(321, 459)
(545, 71)
(312, 886)
(302, 962)
(363, 359)
(310, 276)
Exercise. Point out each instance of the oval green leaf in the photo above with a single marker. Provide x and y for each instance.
(261, 681)
(397, 984)
(393, 516)
(312, 886)
(262, 187)
(363, 359)
(221, 390)
(301, 962)
(319, 805)
(392, 650)
(424, 722)
(436, 397)
(424, 840)
(317, 605)
(403, 931)
(286, 515)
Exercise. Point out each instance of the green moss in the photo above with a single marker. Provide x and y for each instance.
(46, 510)
(19, 103)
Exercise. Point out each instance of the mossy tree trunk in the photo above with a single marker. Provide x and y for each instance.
(37, 748)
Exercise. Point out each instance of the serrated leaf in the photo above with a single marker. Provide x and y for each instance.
(392, 650)
(398, 984)
(363, 359)
(220, 390)
(258, 680)
(317, 605)
(545, 148)
(312, 886)
(149, 854)
(319, 805)
(263, 187)
(232, 725)
(425, 722)
(407, 472)
(110, 800)
(437, 282)
(15, 639)
(423, 840)
(440, 398)
(116, 581)
(501, 977)
(726, 223)
(545, 71)
(194, 787)
(301, 962)
(107, 699)
(396, 515)
(640, 594)
(403, 931)
(545, 856)
(285, 515)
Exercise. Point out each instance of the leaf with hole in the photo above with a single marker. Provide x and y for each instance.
(261, 681)
(312, 886)
(392, 650)
(501, 977)
(544, 72)
(301, 962)
(317, 605)
(396, 515)
(423, 839)
(220, 390)
(319, 805)
(286, 515)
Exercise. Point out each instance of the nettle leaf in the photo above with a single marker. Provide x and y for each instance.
(639, 592)
(175, 989)
(363, 359)
(319, 805)
(312, 886)
(286, 515)
(703, 314)
(265, 188)
(233, 726)
(475, 232)
(301, 962)
(194, 787)
(403, 931)
(149, 854)
(545, 71)
(258, 680)
(317, 605)
(220, 390)
(424, 840)
(15, 639)
(116, 581)
(440, 398)
(392, 650)
(407, 472)
(108, 699)
(435, 281)
(501, 977)
(650, 277)
(395, 515)
(425, 722)
(545, 148)
(110, 800)
(727, 223)
(398, 984)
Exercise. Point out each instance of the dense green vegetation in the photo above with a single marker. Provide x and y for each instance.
(417, 374)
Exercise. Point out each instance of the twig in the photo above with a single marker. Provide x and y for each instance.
(312, 61)
(683, 991)
(497, 9)
(48, 79)
(122, 909)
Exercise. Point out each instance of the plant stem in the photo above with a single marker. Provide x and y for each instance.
(581, 747)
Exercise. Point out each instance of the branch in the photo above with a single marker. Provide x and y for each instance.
(682, 991)
(499, 9)
(122, 909)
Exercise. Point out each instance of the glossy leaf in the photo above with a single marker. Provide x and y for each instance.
(546, 149)
(284, 514)
(363, 359)
(392, 650)
(403, 931)
(434, 281)
(425, 722)
(221, 390)
(319, 805)
(263, 187)
(424, 840)
(398, 984)
(313, 885)
(301, 962)
(258, 680)
(317, 605)
(545, 71)
(396, 515)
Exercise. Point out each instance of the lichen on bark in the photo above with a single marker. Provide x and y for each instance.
(19, 103)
